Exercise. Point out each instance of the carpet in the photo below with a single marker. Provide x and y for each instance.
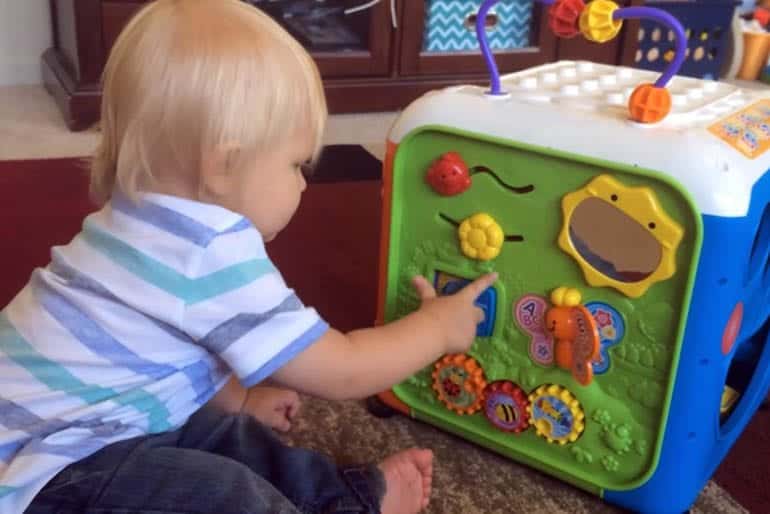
(329, 255)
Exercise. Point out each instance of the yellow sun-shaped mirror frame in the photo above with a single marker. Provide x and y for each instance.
(640, 204)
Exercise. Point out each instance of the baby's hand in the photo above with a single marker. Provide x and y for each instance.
(271, 406)
(457, 315)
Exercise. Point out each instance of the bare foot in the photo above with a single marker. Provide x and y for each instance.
(272, 406)
(408, 481)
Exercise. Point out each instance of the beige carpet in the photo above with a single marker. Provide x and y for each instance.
(468, 479)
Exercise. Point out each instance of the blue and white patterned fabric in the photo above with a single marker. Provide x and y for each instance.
(132, 327)
(446, 30)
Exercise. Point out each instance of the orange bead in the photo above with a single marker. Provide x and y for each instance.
(649, 104)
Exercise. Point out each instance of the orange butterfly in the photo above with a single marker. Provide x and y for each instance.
(575, 332)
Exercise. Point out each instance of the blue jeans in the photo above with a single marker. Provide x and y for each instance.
(214, 464)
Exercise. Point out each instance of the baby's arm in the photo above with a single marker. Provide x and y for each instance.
(368, 361)
(274, 407)
(231, 397)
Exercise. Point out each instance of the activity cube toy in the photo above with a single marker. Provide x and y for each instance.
(623, 347)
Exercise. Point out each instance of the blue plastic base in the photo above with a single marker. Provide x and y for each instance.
(697, 439)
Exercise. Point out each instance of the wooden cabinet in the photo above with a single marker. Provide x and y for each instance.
(415, 59)
(367, 63)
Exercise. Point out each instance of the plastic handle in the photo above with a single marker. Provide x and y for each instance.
(670, 22)
(620, 14)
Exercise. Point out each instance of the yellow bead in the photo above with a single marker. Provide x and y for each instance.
(469, 250)
(565, 297)
(572, 298)
(481, 237)
(557, 296)
(489, 253)
(482, 220)
(596, 21)
(495, 236)
(477, 238)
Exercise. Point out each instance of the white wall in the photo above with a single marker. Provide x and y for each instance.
(25, 32)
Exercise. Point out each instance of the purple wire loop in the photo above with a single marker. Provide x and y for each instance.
(669, 21)
(481, 35)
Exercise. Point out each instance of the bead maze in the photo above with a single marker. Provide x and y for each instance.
(623, 348)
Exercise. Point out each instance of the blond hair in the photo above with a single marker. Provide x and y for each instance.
(189, 76)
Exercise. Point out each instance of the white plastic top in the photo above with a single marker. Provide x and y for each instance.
(581, 107)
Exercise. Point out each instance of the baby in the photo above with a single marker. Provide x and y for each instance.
(130, 366)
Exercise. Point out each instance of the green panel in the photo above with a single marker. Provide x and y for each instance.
(626, 407)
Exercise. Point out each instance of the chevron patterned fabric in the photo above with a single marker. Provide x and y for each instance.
(446, 30)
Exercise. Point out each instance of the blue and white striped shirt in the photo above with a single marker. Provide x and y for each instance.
(132, 327)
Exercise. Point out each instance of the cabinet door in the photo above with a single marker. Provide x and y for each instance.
(344, 41)
(439, 37)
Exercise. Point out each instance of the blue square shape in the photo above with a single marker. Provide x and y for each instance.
(487, 302)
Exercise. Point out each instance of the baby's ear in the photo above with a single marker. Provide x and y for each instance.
(218, 174)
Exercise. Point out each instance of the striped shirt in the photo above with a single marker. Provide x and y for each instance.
(131, 328)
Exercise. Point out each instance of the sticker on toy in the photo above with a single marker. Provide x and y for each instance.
(529, 313)
(556, 414)
(505, 406)
(459, 383)
(611, 329)
(748, 131)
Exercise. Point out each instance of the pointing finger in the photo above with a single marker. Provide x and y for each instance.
(478, 286)
(423, 287)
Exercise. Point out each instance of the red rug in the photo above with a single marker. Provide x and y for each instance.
(328, 254)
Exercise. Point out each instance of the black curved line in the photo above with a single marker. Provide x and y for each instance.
(511, 239)
(448, 219)
(521, 190)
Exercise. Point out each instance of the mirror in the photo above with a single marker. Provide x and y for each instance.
(620, 236)
(612, 242)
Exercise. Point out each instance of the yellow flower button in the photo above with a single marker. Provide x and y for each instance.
(481, 237)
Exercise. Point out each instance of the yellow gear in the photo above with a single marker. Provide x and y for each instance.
(556, 414)
(481, 237)
(596, 21)
(459, 383)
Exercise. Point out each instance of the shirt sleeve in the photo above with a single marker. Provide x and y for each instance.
(245, 313)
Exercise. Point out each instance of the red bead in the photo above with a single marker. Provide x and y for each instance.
(449, 175)
(563, 17)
